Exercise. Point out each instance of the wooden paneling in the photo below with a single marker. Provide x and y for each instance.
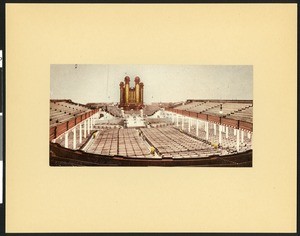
(71, 123)
(193, 114)
(229, 122)
(185, 113)
(246, 126)
(202, 116)
(78, 119)
(214, 119)
(52, 133)
(61, 128)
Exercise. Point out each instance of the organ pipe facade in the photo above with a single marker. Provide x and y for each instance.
(131, 98)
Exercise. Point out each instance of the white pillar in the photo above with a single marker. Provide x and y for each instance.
(177, 120)
(80, 133)
(242, 136)
(66, 139)
(237, 140)
(88, 126)
(215, 129)
(172, 118)
(226, 131)
(182, 122)
(190, 124)
(84, 129)
(207, 130)
(220, 134)
(249, 135)
(74, 138)
(197, 128)
(234, 132)
(91, 122)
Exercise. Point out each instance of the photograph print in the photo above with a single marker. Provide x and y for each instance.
(151, 115)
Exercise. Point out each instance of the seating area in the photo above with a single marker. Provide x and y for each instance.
(189, 105)
(170, 142)
(228, 144)
(245, 115)
(61, 140)
(132, 144)
(227, 109)
(158, 122)
(114, 110)
(64, 110)
(105, 142)
(124, 142)
(202, 107)
(109, 123)
(150, 109)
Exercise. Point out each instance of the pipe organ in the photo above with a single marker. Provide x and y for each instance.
(131, 97)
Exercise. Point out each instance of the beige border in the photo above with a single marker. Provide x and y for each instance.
(44, 199)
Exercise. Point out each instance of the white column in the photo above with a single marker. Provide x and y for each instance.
(207, 129)
(226, 131)
(197, 128)
(242, 136)
(215, 129)
(234, 132)
(66, 139)
(220, 134)
(172, 118)
(84, 129)
(190, 124)
(74, 138)
(177, 120)
(80, 133)
(249, 135)
(237, 140)
(91, 122)
(88, 126)
(182, 122)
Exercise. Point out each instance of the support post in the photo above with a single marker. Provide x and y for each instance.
(197, 128)
(226, 131)
(66, 139)
(84, 129)
(215, 129)
(242, 136)
(207, 130)
(237, 140)
(80, 133)
(74, 138)
(220, 134)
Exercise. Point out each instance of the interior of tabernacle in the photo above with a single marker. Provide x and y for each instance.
(131, 132)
